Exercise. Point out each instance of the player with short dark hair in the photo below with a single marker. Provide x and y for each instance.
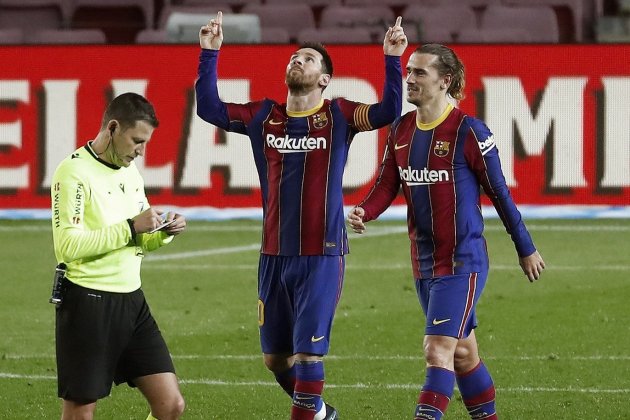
(102, 227)
(300, 150)
(441, 157)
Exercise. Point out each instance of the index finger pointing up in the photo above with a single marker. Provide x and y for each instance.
(398, 21)
(219, 17)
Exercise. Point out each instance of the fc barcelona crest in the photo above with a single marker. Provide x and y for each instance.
(441, 148)
(320, 120)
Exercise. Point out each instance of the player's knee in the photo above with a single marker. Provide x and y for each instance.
(277, 364)
(172, 409)
(438, 354)
(466, 358)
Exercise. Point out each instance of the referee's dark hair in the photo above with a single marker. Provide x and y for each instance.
(129, 108)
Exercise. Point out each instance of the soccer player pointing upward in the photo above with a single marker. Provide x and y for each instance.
(441, 157)
(300, 149)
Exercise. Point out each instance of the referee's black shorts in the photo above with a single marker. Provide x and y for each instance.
(102, 338)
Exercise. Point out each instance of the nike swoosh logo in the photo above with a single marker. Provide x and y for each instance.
(272, 122)
(315, 340)
(440, 321)
(398, 147)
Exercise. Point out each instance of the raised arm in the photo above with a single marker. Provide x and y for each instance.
(390, 107)
(210, 108)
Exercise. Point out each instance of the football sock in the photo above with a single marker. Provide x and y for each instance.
(286, 380)
(151, 417)
(436, 394)
(309, 384)
(478, 393)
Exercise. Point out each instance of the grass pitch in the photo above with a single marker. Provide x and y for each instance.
(557, 349)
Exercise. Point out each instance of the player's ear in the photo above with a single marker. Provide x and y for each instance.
(324, 79)
(111, 126)
(448, 78)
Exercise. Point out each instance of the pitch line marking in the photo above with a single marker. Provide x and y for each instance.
(215, 382)
(243, 248)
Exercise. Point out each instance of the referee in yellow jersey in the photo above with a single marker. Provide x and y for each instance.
(102, 227)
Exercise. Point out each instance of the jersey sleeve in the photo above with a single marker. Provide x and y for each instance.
(483, 157)
(366, 117)
(386, 187)
(210, 107)
(72, 240)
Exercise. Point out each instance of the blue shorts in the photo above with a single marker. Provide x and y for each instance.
(449, 303)
(297, 299)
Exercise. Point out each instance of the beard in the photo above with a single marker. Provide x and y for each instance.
(298, 81)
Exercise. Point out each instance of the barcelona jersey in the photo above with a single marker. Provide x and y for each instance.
(441, 167)
(300, 157)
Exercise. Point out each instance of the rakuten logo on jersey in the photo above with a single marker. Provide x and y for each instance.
(288, 144)
(414, 177)
(487, 145)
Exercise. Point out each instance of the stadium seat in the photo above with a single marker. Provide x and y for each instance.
(66, 36)
(120, 20)
(373, 18)
(311, 3)
(570, 15)
(11, 36)
(235, 5)
(493, 36)
(335, 35)
(612, 29)
(182, 25)
(152, 36)
(468, 3)
(439, 23)
(33, 14)
(393, 3)
(539, 21)
(271, 35)
(208, 11)
(146, 7)
(293, 17)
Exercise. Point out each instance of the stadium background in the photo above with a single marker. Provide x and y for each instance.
(564, 109)
(559, 109)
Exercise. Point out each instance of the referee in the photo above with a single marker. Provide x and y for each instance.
(102, 227)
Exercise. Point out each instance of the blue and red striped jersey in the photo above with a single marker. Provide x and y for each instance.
(300, 157)
(441, 167)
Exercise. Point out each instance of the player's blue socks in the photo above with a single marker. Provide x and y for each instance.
(478, 393)
(286, 380)
(436, 394)
(309, 385)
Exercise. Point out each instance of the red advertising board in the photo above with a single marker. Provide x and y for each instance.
(560, 115)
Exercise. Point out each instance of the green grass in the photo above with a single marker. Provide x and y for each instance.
(557, 349)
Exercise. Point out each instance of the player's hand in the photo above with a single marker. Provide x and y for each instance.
(355, 219)
(177, 226)
(147, 220)
(395, 40)
(211, 35)
(532, 266)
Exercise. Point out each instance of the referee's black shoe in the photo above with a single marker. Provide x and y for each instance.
(331, 413)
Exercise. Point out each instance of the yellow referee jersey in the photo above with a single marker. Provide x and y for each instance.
(91, 202)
